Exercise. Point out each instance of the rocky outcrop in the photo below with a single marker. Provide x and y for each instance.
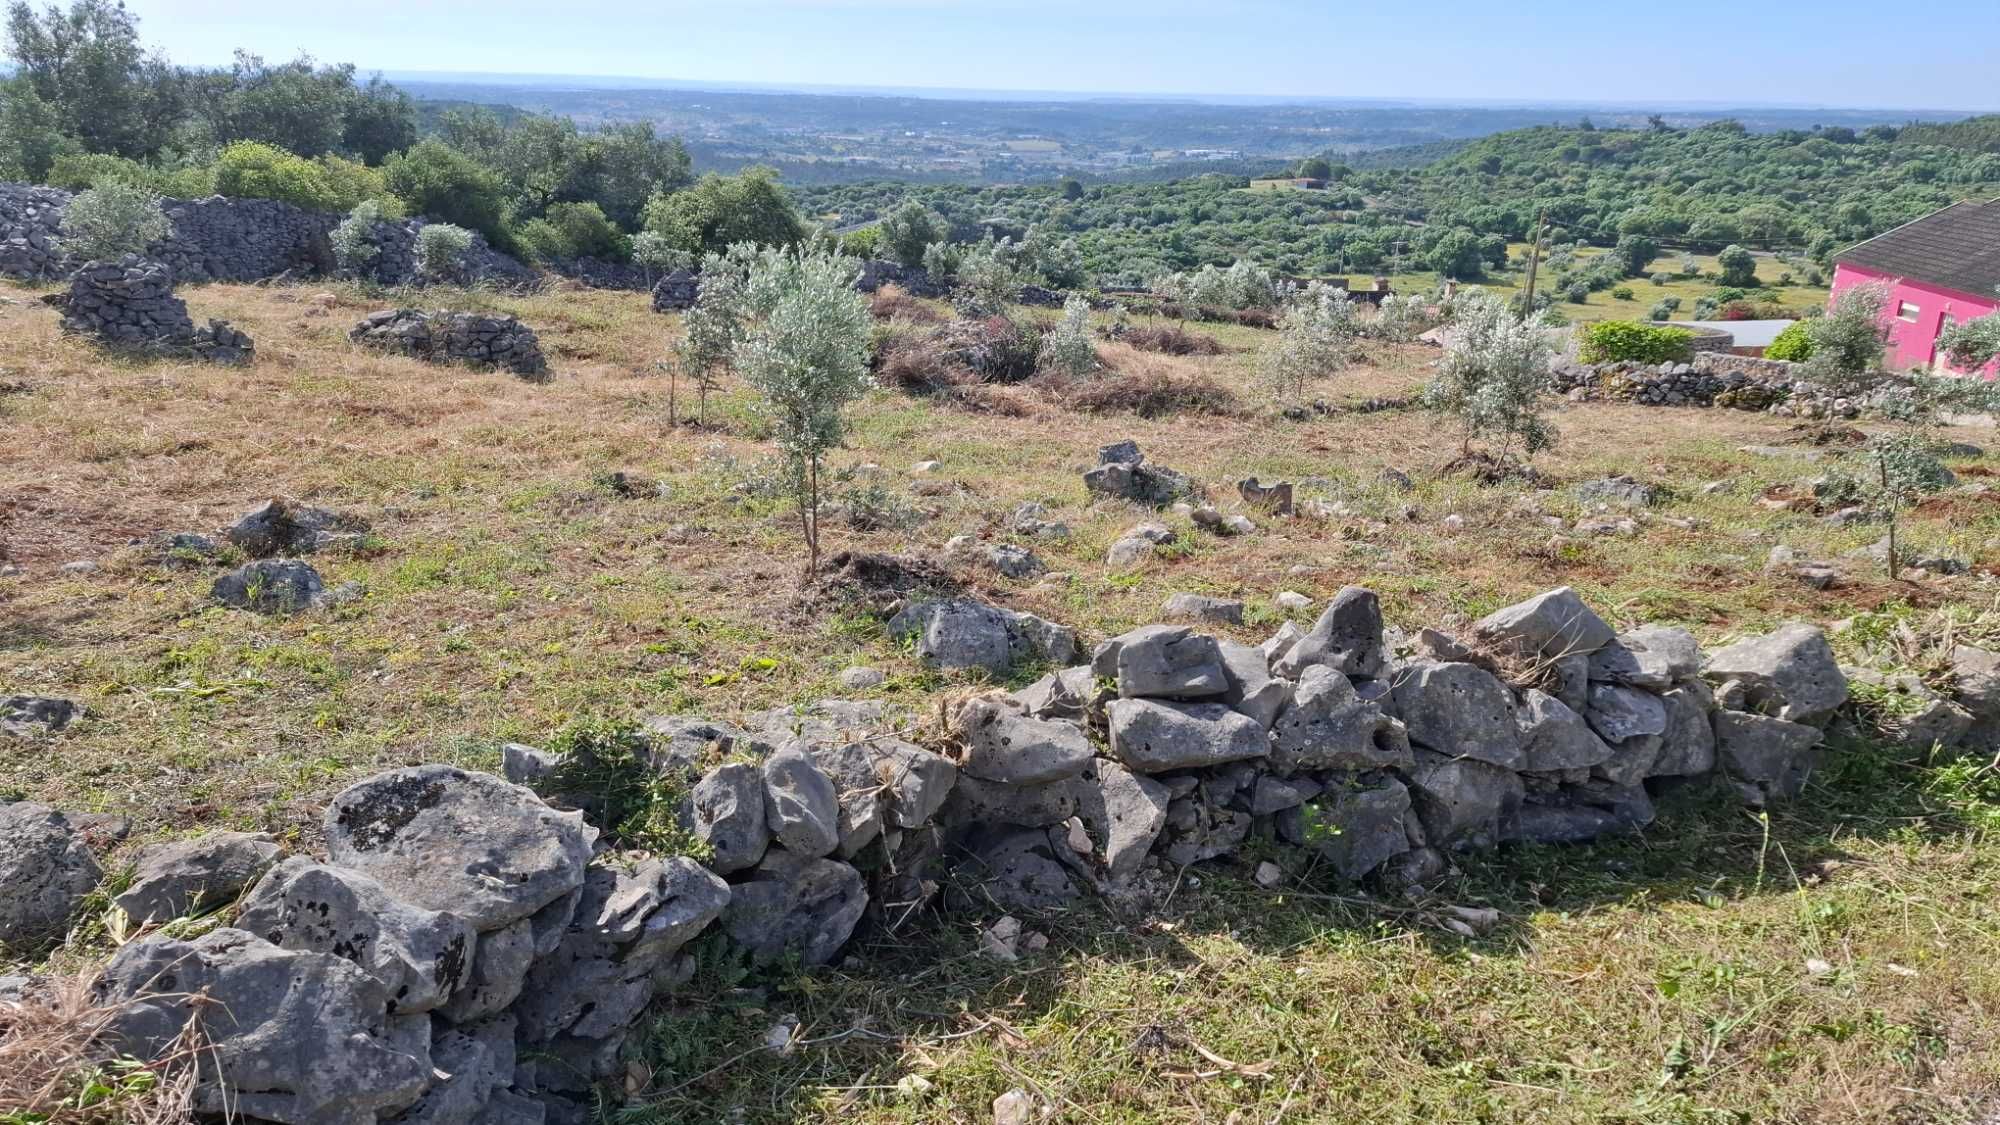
(676, 292)
(129, 305)
(456, 337)
(1122, 474)
(45, 872)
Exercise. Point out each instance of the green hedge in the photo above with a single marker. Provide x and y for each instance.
(1792, 344)
(1616, 341)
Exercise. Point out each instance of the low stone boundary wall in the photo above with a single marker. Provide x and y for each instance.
(234, 240)
(1718, 379)
(470, 950)
(455, 337)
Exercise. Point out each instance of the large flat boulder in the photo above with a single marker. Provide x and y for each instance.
(447, 839)
(1151, 736)
(1790, 673)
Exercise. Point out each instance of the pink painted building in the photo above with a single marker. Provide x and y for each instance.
(1942, 269)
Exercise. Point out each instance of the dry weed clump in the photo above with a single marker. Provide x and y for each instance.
(1141, 383)
(892, 302)
(1170, 339)
(56, 1068)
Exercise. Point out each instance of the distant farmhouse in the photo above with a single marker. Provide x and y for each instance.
(1942, 269)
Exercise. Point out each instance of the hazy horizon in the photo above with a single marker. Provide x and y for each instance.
(1565, 52)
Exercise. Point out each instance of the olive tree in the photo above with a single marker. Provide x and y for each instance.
(1069, 346)
(1973, 344)
(441, 248)
(1492, 376)
(1902, 469)
(711, 330)
(1316, 337)
(805, 349)
(1847, 341)
(909, 230)
(354, 246)
(113, 219)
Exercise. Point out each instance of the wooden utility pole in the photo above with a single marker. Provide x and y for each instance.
(1534, 262)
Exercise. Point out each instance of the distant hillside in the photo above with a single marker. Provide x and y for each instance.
(1706, 187)
(1974, 134)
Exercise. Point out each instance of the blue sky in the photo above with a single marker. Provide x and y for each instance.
(1942, 54)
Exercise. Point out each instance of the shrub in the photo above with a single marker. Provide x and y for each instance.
(909, 231)
(1069, 347)
(1794, 344)
(1623, 293)
(1660, 311)
(113, 219)
(437, 181)
(573, 230)
(80, 171)
(1739, 266)
(353, 182)
(1704, 308)
(354, 247)
(1621, 341)
(260, 171)
(1577, 293)
(441, 249)
(1662, 278)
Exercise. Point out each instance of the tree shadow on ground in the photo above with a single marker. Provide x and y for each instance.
(897, 1000)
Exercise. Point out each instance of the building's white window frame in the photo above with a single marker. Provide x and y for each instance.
(1908, 311)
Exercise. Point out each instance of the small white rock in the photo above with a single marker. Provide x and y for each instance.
(1014, 1107)
(922, 467)
(1291, 601)
(861, 679)
(1269, 874)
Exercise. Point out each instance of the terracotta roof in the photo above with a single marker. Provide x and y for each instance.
(1958, 248)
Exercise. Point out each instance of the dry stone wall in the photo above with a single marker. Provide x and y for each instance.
(234, 240)
(1713, 379)
(471, 949)
(456, 337)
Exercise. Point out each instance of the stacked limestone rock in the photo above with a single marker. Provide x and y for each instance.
(130, 305)
(462, 337)
(462, 956)
(1176, 744)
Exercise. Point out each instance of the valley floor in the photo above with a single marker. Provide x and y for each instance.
(1833, 962)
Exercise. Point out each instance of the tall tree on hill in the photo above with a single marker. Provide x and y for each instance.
(87, 64)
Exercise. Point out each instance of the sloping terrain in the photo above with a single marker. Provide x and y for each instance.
(1831, 962)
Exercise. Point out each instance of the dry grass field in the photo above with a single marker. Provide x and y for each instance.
(512, 590)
